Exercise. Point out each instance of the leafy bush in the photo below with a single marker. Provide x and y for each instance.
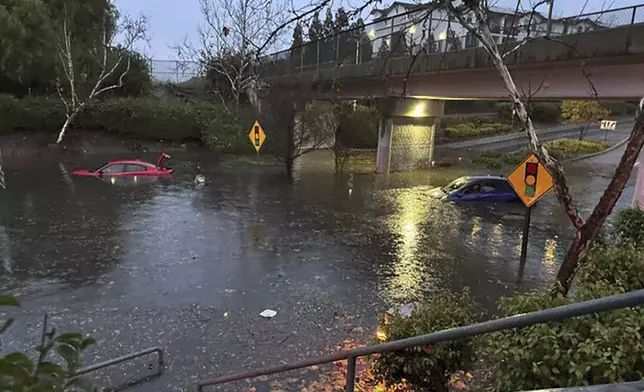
(569, 148)
(602, 348)
(545, 112)
(472, 130)
(504, 111)
(620, 108)
(18, 372)
(629, 227)
(359, 127)
(32, 114)
(559, 148)
(141, 118)
(596, 349)
(226, 130)
(540, 112)
(428, 367)
(497, 160)
(619, 266)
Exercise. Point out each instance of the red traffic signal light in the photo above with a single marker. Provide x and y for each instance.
(530, 178)
(531, 168)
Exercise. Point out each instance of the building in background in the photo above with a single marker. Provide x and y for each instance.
(406, 27)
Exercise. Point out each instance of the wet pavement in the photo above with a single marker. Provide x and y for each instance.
(159, 262)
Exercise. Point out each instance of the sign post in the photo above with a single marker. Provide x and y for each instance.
(530, 180)
(607, 125)
(257, 136)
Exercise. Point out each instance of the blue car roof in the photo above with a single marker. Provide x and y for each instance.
(470, 178)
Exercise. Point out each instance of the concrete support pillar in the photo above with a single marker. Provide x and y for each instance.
(406, 134)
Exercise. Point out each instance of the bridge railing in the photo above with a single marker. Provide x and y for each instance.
(427, 30)
(613, 302)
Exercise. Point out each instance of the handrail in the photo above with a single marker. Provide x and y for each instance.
(613, 302)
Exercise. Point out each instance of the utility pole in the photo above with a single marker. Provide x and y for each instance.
(552, 4)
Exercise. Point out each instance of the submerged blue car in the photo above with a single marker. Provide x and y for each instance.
(492, 189)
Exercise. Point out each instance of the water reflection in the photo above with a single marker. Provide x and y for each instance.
(411, 210)
(550, 253)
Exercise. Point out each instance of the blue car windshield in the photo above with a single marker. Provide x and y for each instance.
(454, 185)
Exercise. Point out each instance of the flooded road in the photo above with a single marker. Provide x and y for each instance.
(146, 262)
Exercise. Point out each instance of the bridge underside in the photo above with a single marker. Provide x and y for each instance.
(562, 81)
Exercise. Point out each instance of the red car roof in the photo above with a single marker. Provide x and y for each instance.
(131, 161)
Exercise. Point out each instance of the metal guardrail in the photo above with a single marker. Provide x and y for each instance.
(613, 302)
(102, 365)
(412, 32)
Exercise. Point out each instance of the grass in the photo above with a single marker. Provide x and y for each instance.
(560, 148)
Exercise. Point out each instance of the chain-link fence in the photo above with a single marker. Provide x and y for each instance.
(421, 30)
(173, 71)
(430, 30)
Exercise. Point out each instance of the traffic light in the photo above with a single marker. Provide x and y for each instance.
(256, 135)
(530, 178)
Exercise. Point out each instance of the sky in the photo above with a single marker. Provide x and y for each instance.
(173, 21)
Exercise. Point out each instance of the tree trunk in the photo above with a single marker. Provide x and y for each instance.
(588, 232)
(66, 125)
(288, 165)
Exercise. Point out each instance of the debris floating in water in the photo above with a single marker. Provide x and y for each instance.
(268, 313)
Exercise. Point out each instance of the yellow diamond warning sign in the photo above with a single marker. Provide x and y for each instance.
(257, 136)
(530, 180)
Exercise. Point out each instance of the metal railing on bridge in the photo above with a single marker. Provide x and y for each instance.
(429, 30)
(619, 301)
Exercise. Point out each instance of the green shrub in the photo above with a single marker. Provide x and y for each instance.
(472, 130)
(428, 367)
(359, 127)
(227, 130)
(559, 148)
(540, 112)
(30, 115)
(629, 227)
(145, 118)
(18, 372)
(141, 118)
(620, 266)
(620, 108)
(545, 112)
(601, 348)
(569, 148)
(497, 160)
(504, 111)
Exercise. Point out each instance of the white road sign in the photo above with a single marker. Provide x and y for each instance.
(608, 125)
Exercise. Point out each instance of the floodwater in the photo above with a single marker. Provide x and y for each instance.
(159, 262)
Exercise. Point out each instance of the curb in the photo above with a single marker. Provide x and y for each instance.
(596, 154)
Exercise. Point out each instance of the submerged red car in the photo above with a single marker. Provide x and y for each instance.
(128, 167)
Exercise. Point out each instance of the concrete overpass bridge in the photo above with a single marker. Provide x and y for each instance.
(410, 86)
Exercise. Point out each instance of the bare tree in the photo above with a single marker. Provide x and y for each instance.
(81, 87)
(586, 230)
(235, 33)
